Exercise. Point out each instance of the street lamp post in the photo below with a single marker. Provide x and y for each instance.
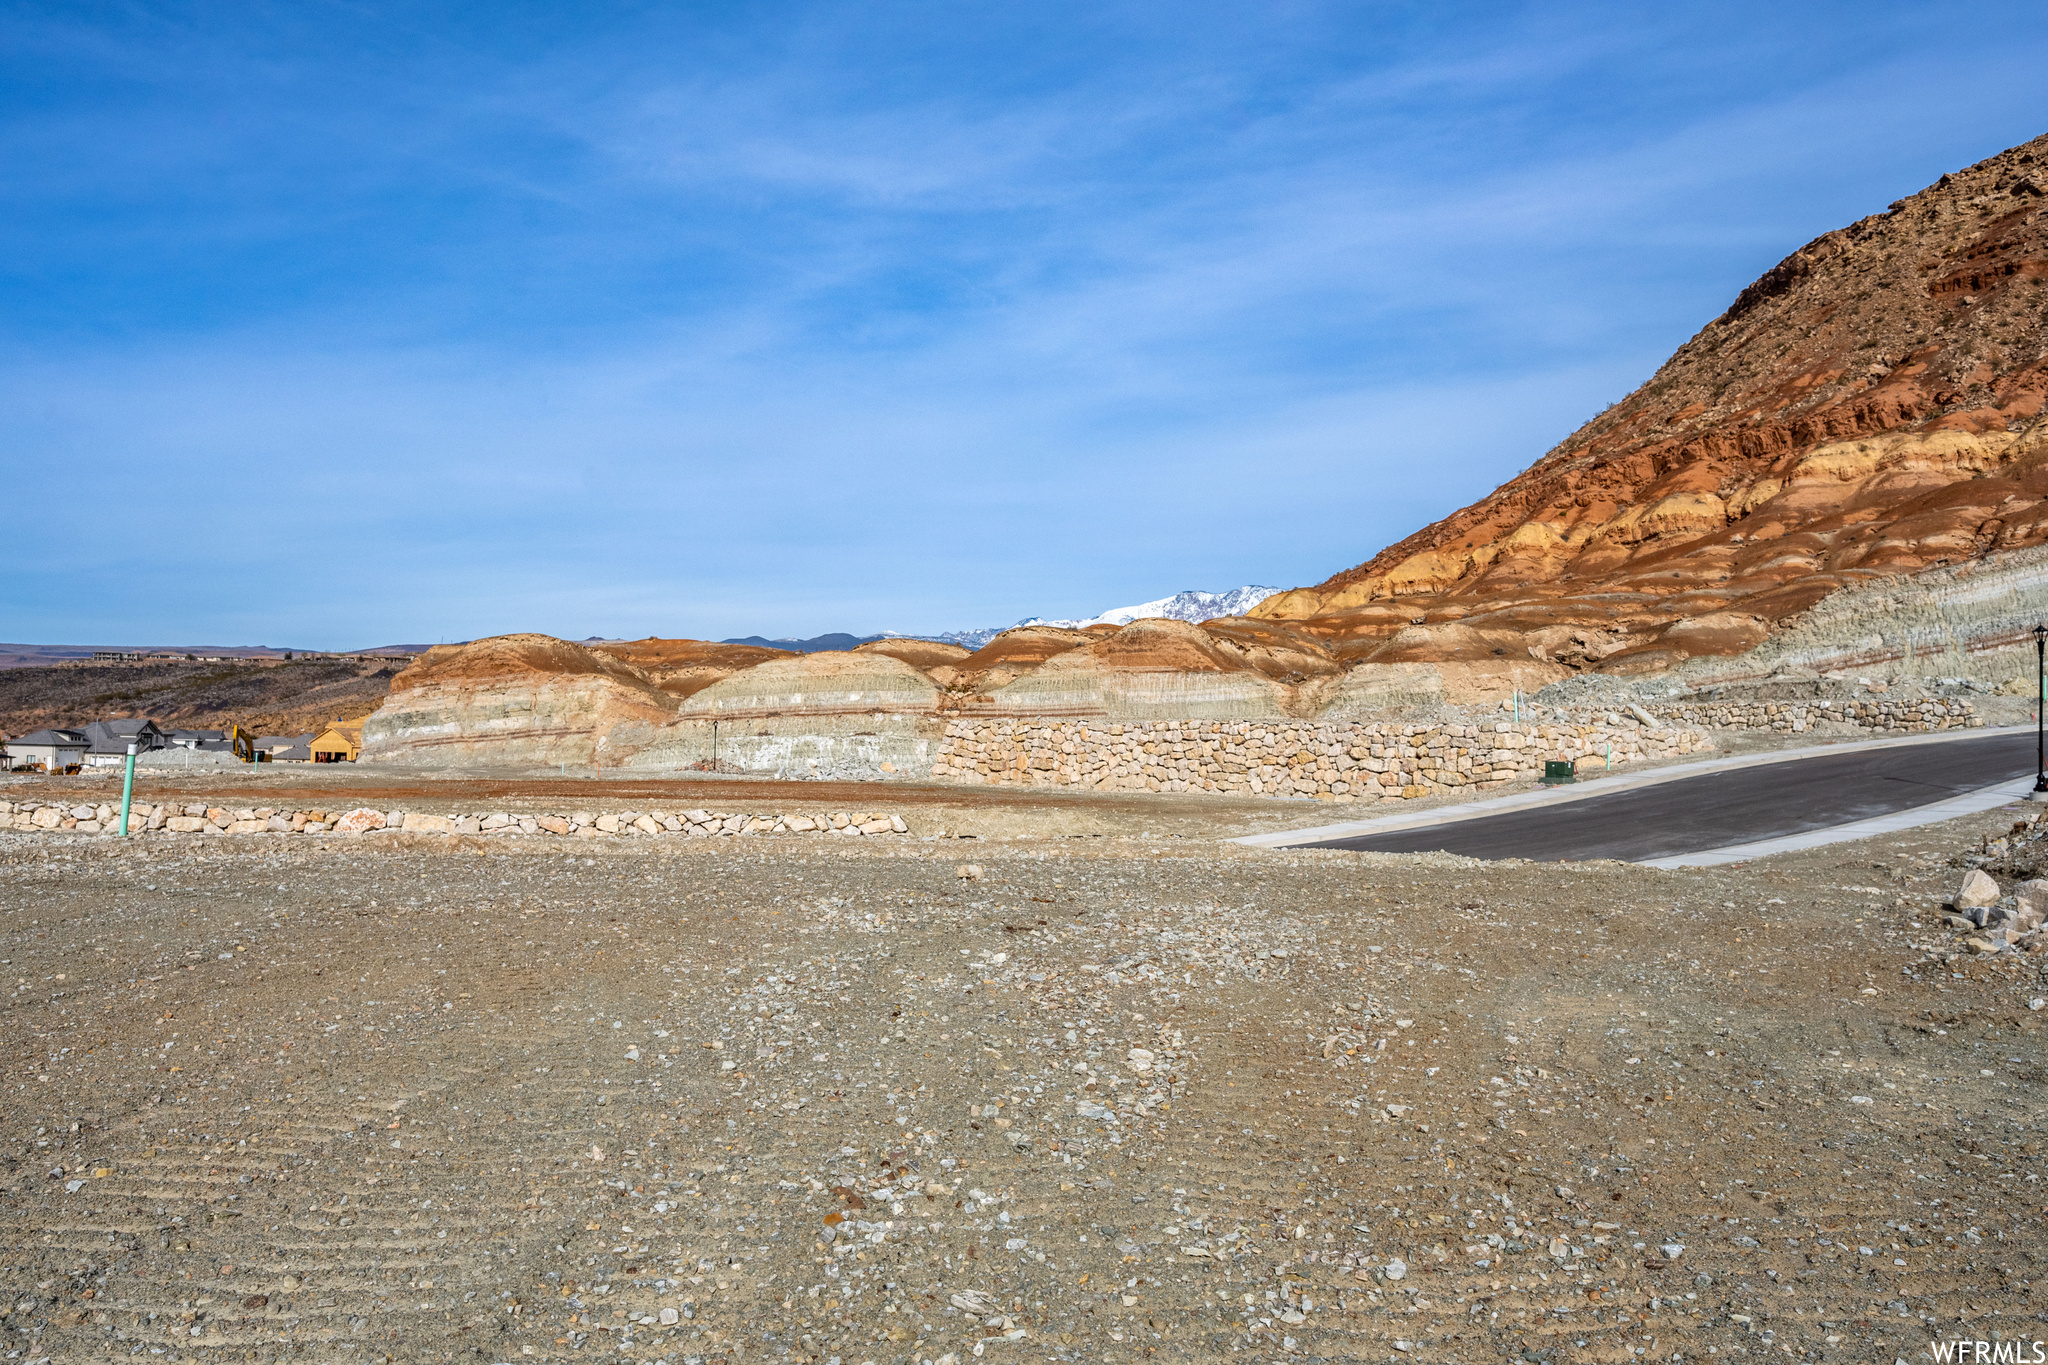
(2040, 792)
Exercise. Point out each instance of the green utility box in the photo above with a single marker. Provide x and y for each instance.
(1558, 771)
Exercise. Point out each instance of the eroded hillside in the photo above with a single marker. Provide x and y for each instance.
(1871, 406)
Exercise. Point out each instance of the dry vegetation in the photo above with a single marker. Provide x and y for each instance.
(267, 696)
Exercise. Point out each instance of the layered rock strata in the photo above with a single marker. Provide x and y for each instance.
(1006, 658)
(1149, 668)
(1972, 620)
(923, 655)
(1870, 407)
(683, 668)
(515, 701)
(809, 715)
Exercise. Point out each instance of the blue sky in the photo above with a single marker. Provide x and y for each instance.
(330, 325)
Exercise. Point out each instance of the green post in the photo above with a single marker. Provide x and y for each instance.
(127, 787)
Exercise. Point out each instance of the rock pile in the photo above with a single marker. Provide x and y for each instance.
(1330, 761)
(1869, 713)
(1993, 920)
(58, 817)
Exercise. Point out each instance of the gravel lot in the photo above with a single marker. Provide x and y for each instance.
(1117, 1098)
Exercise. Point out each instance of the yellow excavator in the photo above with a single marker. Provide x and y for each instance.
(244, 745)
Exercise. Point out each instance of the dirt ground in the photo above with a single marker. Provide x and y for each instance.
(411, 1098)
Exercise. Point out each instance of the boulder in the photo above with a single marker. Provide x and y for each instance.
(360, 821)
(417, 822)
(1978, 891)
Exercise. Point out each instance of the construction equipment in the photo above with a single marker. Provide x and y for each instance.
(244, 745)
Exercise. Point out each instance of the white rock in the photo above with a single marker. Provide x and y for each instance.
(1397, 1270)
(1977, 891)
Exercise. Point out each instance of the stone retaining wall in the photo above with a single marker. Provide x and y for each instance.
(55, 817)
(1327, 760)
(1871, 713)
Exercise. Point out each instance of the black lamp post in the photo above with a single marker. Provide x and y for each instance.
(2040, 792)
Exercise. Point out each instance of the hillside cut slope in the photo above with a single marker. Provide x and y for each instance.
(1871, 406)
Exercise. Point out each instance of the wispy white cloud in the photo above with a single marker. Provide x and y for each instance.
(775, 333)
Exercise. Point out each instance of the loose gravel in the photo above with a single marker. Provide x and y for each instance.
(428, 1098)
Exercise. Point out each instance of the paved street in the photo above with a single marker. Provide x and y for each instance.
(1714, 810)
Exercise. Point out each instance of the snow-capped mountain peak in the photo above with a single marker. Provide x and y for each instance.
(1191, 605)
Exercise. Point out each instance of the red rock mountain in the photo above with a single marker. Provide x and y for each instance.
(1871, 406)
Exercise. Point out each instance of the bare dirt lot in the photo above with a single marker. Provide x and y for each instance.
(418, 1098)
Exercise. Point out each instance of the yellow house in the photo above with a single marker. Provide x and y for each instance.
(338, 743)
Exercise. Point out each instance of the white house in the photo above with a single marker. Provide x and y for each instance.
(51, 750)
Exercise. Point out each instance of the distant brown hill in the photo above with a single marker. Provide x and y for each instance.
(266, 696)
(1871, 406)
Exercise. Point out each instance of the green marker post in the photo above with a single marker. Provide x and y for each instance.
(127, 788)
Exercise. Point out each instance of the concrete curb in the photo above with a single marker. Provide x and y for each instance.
(1603, 786)
(1969, 803)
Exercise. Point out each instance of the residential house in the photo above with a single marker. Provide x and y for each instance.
(286, 748)
(53, 751)
(340, 742)
(108, 741)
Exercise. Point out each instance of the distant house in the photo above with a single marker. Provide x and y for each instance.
(340, 742)
(108, 740)
(209, 741)
(287, 748)
(53, 751)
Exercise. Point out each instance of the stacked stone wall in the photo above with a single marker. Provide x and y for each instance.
(56, 817)
(1869, 713)
(1342, 761)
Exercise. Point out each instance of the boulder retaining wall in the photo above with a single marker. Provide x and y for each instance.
(1327, 760)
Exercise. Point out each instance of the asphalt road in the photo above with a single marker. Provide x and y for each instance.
(1715, 810)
